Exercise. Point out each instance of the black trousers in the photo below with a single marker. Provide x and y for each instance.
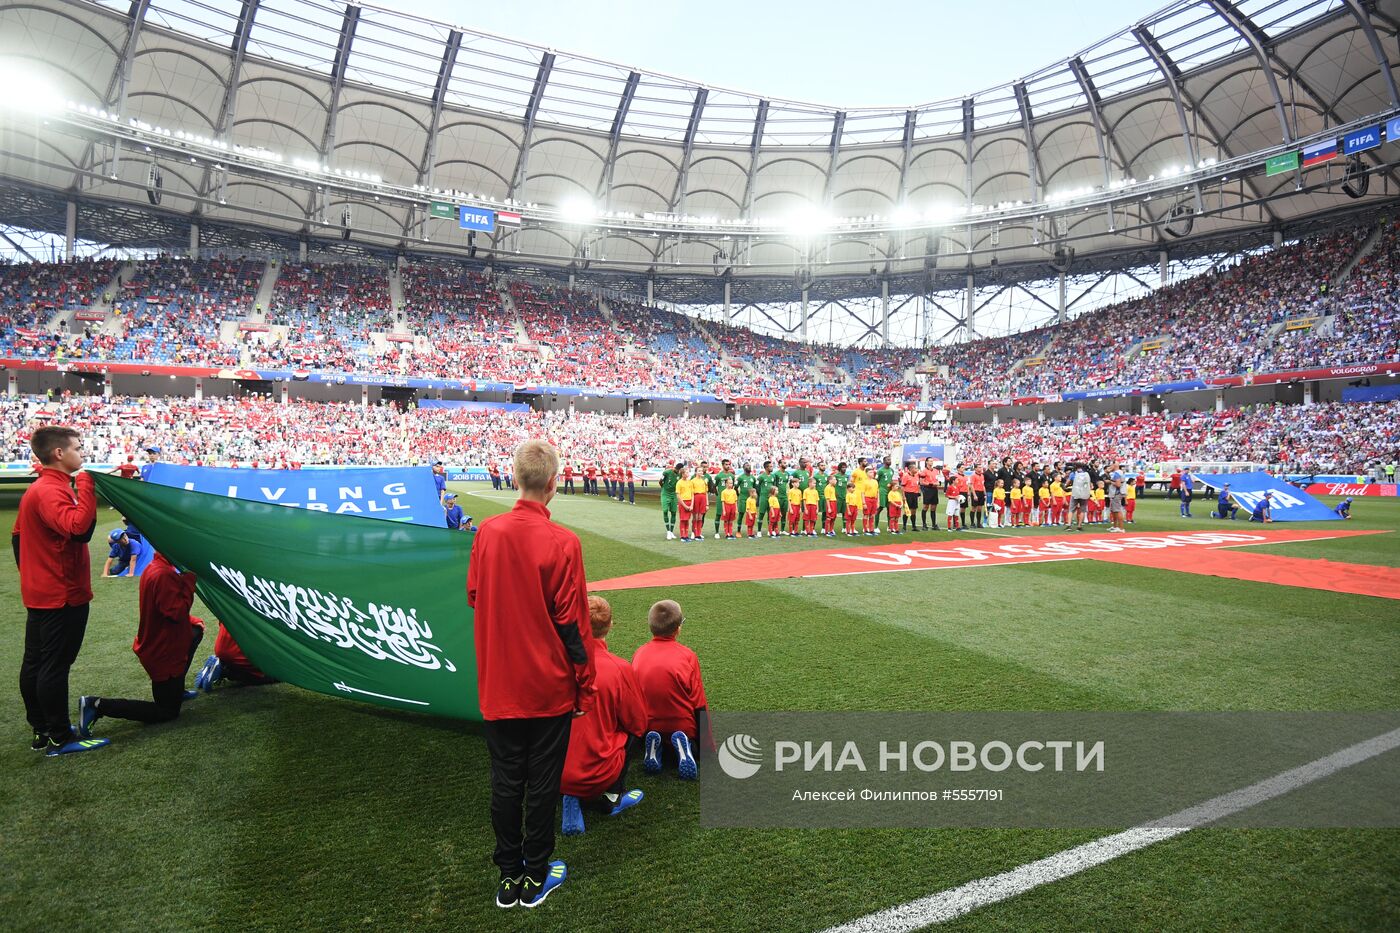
(527, 762)
(166, 694)
(52, 638)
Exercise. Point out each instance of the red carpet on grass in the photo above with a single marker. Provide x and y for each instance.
(1163, 549)
(1311, 573)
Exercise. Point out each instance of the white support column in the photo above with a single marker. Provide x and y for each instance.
(571, 281)
(726, 301)
(738, 415)
(364, 395)
(1219, 399)
(1146, 406)
(996, 420)
(885, 311)
(1079, 411)
(107, 385)
(12, 384)
(1040, 413)
(194, 241)
(686, 412)
(199, 390)
(1164, 267)
(819, 418)
(651, 291)
(70, 230)
(1308, 394)
(301, 251)
(1278, 238)
(804, 316)
(970, 312)
(283, 395)
(1064, 303)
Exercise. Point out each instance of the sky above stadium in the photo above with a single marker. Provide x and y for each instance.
(822, 51)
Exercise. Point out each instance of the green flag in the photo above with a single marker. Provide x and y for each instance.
(361, 608)
(1277, 165)
(444, 209)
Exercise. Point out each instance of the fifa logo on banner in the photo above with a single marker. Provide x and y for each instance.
(1281, 500)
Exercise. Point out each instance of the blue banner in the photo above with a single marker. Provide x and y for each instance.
(1163, 388)
(1290, 504)
(400, 494)
(1392, 130)
(472, 406)
(920, 452)
(1361, 140)
(476, 218)
(1371, 393)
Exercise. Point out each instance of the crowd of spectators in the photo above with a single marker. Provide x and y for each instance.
(463, 324)
(1332, 437)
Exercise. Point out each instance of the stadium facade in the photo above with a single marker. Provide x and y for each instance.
(303, 126)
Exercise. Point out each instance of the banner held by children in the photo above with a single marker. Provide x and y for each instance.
(345, 606)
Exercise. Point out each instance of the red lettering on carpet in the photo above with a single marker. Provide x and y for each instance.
(1310, 573)
(1158, 549)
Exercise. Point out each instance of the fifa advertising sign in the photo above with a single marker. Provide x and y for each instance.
(477, 219)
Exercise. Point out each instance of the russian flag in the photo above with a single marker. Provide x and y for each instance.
(1318, 153)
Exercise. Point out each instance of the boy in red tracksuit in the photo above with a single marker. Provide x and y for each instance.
(535, 671)
(228, 660)
(165, 644)
(595, 768)
(669, 674)
(57, 515)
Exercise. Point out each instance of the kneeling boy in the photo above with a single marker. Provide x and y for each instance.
(669, 675)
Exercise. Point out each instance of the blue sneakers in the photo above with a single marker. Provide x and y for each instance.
(626, 802)
(651, 762)
(87, 715)
(533, 893)
(573, 817)
(211, 673)
(191, 695)
(686, 761)
(72, 745)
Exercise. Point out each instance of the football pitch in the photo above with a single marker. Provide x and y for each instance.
(275, 808)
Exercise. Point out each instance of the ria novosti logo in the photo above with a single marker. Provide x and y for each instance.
(740, 756)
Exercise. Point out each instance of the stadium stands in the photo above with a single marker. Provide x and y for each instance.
(1274, 310)
(1324, 438)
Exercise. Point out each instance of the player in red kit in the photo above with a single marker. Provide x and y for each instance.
(595, 768)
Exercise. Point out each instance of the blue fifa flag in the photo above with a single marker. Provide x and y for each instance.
(920, 452)
(1392, 130)
(476, 218)
(400, 494)
(1361, 140)
(1289, 503)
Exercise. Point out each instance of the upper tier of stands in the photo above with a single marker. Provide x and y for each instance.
(1278, 309)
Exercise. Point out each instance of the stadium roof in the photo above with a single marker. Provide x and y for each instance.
(617, 169)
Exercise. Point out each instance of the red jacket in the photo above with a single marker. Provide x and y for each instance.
(598, 741)
(228, 652)
(534, 643)
(163, 640)
(54, 525)
(669, 674)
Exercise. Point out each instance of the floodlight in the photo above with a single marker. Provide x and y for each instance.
(577, 210)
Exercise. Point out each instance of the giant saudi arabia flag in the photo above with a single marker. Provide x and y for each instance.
(353, 607)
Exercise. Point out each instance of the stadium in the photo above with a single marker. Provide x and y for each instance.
(904, 409)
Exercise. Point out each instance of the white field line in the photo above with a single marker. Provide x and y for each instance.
(954, 903)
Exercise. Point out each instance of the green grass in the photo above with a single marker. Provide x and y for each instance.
(276, 808)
